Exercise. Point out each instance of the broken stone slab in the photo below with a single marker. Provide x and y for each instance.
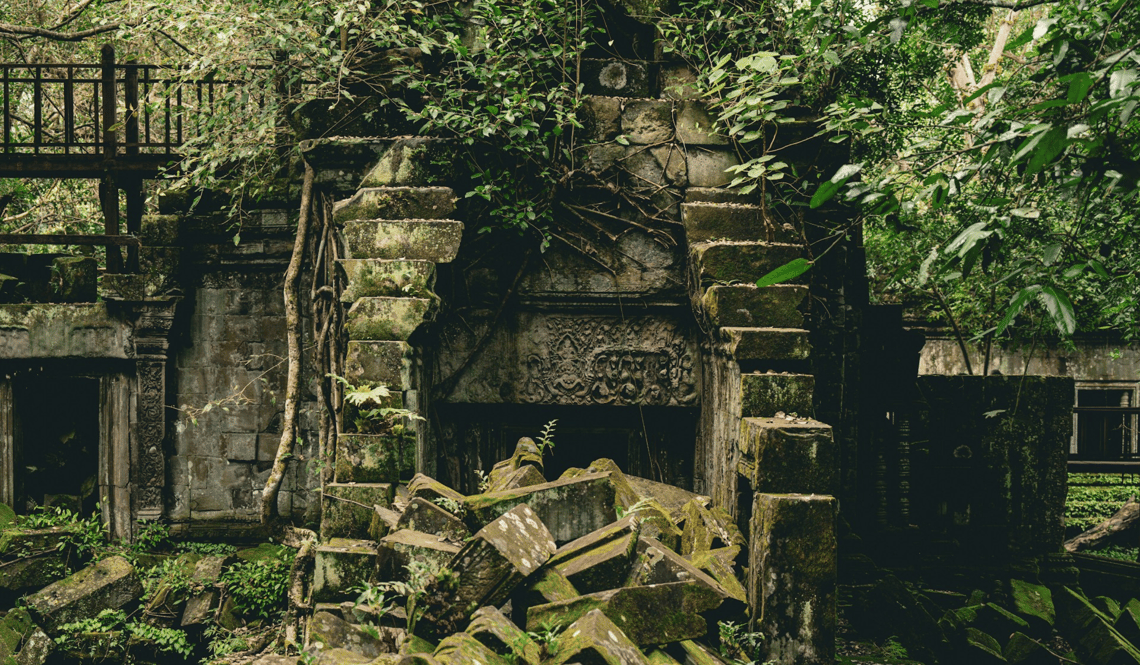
(1034, 603)
(671, 498)
(1128, 622)
(366, 278)
(167, 599)
(420, 239)
(695, 653)
(22, 642)
(1024, 650)
(781, 344)
(24, 542)
(341, 657)
(792, 588)
(327, 632)
(387, 364)
(1082, 623)
(199, 608)
(660, 657)
(108, 584)
(527, 476)
(651, 614)
(783, 456)
(498, 557)
(396, 203)
(734, 221)
(624, 494)
(431, 489)
(348, 508)
(982, 648)
(464, 649)
(594, 639)
(412, 161)
(399, 549)
(707, 528)
(33, 572)
(547, 586)
(599, 560)
(414, 644)
(725, 261)
(499, 634)
(571, 508)
(341, 565)
(386, 318)
(746, 305)
(720, 565)
(657, 564)
(427, 517)
(763, 395)
(526, 454)
(656, 522)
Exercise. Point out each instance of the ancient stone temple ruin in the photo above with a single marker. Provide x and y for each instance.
(721, 451)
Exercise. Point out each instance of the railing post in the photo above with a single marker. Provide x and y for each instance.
(131, 99)
(110, 102)
(108, 190)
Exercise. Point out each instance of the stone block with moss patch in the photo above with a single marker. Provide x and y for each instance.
(768, 344)
(347, 508)
(396, 203)
(340, 566)
(720, 564)
(384, 318)
(707, 167)
(784, 456)
(428, 517)
(369, 458)
(734, 221)
(21, 542)
(367, 278)
(431, 489)
(982, 648)
(499, 634)
(656, 564)
(526, 454)
(500, 556)
(380, 363)
(422, 239)
(695, 653)
(547, 586)
(464, 649)
(708, 528)
(1024, 650)
(600, 118)
(649, 615)
(399, 549)
(724, 261)
(763, 395)
(327, 632)
(647, 121)
(617, 78)
(656, 523)
(792, 588)
(599, 560)
(746, 305)
(571, 508)
(696, 125)
(107, 584)
(594, 638)
(413, 161)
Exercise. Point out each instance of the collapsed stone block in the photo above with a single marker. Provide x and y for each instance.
(499, 634)
(570, 508)
(431, 489)
(1034, 603)
(21, 641)
(108, 584)
(396, 203)
(426, 517)
(788, 456)
(526, 454)
(464, 649)
(699, 654)
(656, 564)
(33, 572)
(1024, 650)
(708, 528)
(656, 523)
(599, 560)
(498, 557)
(548, 586)
(399, 549)
(348, 508)
(340, 565)
(651, 614)
(720, 564)
(791, 588)
(1090, 629)
(328, 632)
(595, 639)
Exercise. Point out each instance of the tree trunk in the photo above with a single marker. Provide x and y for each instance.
(1120, 529)
(293, 382)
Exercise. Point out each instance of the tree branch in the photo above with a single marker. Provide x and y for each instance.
(9, 29)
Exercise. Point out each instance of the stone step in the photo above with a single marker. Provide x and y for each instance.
(726, 261)
(396, 203)
(765, 395)
(717, 195)
(413, 161)
(340, 567)
(424, 239)
(787, 455)
(734, 221)
(383, 318)
(367, 278)
(745, 305)
(347, 508)
(380, 363)
(768, 343)
(374, 458)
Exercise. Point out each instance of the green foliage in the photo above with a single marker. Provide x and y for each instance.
(150, 536)
(85, 534)
(1092, 499)
(259, 588)
(221, 642)
(171, 573)
(547, 639)
(111, 633)
(204, 548)
(545, 440)
(737, 644)
(372, 413)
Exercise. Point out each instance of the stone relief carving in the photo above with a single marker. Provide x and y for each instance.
(595, 360)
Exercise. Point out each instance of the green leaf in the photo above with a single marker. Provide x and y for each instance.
(1051, 145)
(784, 273)
(1016, 304)
(1079, 85)
(1060, 309)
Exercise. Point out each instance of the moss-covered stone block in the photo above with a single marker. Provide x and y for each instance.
(1024, 650)
(107, 584)
(341, 565)
(708, 167)
(745, 305)
(707, 528)
(464, 649)
(396, 203)
(499, 634)
(400, 548)
(347, 508)
(724, 261)
(74, 278)
(1128, 622)
(764, 394)
(21, 542)
(594, 638)
(571, 508)
(386, 363)
(720, 565)
(328, 631)
(600, 118)
(656, 522)
(792, 576)
(428, 517)
(431, 489)
(734, 221)
(1034, 603)
(160, 230)
(782, 455)
(526, 454)
(386, 319)
(427, 240)
(695, 124)
(368, 278)
(657, 564)
(614, 78)
(982, 648)
(547, 586)
(696, 653)
(599, 560)
(415, 162)
(649, 615)
(772, 344)
(370, 458)
(647, 121)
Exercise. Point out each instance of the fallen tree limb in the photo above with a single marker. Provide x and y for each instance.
(1121, 528)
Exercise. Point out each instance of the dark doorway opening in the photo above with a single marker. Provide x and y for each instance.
(1103, 433)
(56, 443)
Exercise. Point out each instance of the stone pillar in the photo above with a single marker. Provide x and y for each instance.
(791, 585)
(116, 434)
(7, 445)
(148, 460)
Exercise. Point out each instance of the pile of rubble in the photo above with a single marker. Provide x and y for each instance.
(593, 567)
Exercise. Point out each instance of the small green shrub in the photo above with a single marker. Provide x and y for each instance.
(259, 587)
(112, 634)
